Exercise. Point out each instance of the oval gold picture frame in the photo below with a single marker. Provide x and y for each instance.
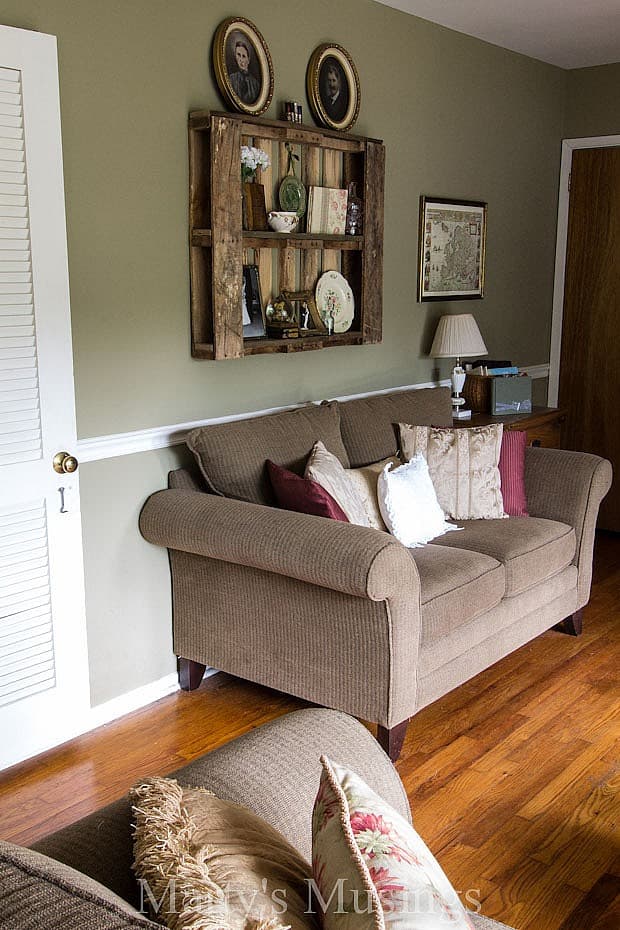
(242, 65)
(333, 87)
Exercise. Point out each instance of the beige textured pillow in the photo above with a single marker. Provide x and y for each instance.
(463, 464)
(213, 864)
(328, 471)
(365, 480)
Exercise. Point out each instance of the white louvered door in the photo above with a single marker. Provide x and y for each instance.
(43, 661)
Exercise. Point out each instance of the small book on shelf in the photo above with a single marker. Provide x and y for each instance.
(278, 329)
(327, 210)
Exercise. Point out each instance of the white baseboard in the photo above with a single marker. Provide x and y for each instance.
(163, 437)
(135, 700)
(132, 700)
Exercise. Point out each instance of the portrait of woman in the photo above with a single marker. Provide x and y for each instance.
(242, 66)
(243, 71)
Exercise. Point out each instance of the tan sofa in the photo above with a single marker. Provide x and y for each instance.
(345, 616)
(80, 878)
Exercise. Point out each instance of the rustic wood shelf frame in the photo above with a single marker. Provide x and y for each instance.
(219, 247)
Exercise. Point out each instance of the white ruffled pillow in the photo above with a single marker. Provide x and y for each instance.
(409, 504)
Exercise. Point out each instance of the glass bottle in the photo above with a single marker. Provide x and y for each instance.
(355, 212)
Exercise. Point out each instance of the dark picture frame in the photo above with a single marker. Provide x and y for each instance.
(252, 304)
(333, 87)
(451, 249)
(242, 65)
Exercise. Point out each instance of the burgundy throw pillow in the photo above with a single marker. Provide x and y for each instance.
(303, 495)
(512, 472)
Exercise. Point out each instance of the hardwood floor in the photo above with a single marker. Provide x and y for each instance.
(513, 778)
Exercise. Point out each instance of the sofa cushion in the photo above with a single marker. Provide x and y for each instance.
(368, 424)
(37, 892)
(531, 548)
(457, 585)
(232, 455)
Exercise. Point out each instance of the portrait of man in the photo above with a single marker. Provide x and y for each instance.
(333, 89)
(243, 72)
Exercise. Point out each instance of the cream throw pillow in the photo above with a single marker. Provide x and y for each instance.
(329, 472)
(409, 504)
(372, 870)
(213, 864)
(463, 465)
(365, 480)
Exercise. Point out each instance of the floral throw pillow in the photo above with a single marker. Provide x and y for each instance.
(371, 869)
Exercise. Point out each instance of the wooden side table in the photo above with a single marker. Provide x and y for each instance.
(543, 425)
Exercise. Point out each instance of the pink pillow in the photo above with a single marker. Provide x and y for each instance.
(512, 472)
(303, 495)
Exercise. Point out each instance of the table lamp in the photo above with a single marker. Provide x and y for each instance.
(457, 336)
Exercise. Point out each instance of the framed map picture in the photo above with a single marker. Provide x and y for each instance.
(451, 256)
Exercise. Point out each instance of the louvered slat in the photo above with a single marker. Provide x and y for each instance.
(28, 569)
(26, 620)
(27, 663)
(38, 680)
(19, 384)
(16, 655)
(23, 634)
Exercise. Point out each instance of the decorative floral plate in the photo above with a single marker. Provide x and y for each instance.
(334, 297)
(292, 195)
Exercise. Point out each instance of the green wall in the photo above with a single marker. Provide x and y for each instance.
(459, 118)
(593, 102)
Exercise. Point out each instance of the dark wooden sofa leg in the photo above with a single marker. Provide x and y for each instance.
(391, 740)
(572, 625)
(190, 673)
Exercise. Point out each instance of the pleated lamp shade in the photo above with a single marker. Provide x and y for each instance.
(457, 336)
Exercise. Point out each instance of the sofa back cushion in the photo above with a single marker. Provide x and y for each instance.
(369, 425)
(232, 456)
(37, 892)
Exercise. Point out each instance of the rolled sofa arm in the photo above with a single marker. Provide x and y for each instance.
(569, 487)
(352, 559)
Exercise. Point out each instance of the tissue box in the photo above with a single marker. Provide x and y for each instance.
(511, 395)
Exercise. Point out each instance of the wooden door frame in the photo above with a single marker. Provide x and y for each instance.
(568, 147)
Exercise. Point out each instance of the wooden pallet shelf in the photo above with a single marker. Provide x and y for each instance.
(219, 247)
(273, 240)
(285, 346)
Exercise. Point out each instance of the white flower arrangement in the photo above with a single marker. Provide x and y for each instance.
(251, 159)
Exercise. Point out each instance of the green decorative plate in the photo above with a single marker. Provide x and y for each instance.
(292, 195)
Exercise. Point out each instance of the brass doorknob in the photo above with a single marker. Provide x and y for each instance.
(64, 463)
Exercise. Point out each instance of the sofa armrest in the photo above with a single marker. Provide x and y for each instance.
(351, 559)
(569, 487)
